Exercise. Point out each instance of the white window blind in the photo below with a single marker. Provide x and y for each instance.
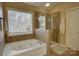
(19, 22)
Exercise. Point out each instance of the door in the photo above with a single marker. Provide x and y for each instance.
(73, 30)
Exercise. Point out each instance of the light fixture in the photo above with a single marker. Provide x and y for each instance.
(47, 4)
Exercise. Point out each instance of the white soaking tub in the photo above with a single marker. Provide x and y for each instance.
(31, 47)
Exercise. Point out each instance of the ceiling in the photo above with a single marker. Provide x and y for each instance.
(41, 5)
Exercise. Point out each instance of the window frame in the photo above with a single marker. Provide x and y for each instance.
(17, 34)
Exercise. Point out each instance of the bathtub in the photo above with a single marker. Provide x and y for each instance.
(31, 47)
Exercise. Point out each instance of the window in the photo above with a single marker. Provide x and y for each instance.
(19, 22)
(42, 22)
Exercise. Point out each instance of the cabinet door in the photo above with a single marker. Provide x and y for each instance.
(1, 32)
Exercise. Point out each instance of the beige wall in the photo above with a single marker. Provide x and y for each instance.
(58, 8)
(62, 7)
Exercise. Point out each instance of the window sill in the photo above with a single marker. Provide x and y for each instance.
(18, 34)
